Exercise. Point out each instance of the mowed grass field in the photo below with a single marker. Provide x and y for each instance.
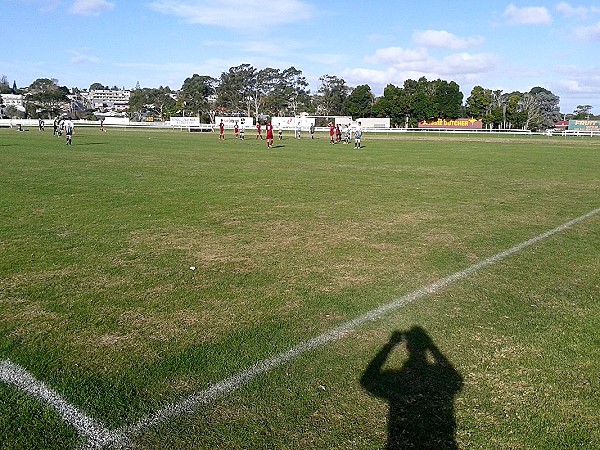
(99, 302)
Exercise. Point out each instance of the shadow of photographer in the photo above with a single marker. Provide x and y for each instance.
(420, 394)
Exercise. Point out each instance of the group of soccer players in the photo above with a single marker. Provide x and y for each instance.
(335, 134)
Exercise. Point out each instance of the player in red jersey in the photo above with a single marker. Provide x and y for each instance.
(221, 131)
(269, 129)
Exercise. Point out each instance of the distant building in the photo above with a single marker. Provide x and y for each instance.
(561, 125)
(15, 100)
(117, 100)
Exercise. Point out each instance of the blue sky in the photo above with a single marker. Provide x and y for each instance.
(505, 45)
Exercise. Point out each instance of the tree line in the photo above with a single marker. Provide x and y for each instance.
(247, 91)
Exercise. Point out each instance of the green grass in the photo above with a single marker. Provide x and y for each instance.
(98, 300)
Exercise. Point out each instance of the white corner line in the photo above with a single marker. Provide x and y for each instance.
(99, 436)
(93, 431)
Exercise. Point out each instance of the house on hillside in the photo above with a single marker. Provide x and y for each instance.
(114, 100)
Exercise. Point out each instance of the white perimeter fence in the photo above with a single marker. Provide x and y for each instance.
(33, 123)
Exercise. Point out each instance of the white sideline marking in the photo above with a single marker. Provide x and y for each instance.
(14, 374)
(236, 381)
(99, 436)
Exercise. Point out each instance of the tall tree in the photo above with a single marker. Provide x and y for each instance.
(530, 106)
(163, 100)
(496, 116)
(296, 90)
(516, 116)
(4, 85)
(447, 99)
(583, 112)
(422, 105)
(42, 85)
(137, 104)
(548, 105)
(290, 93)
(45, 97)
(392, 104)
(235, 88)
(197, 96)
(151, 102)
(360, 102)
(383, 106)
(97, 87)
(488, 105)
(332, 94)
(262, 85)
(479, 104)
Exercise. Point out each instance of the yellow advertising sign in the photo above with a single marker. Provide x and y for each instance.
(474, 124)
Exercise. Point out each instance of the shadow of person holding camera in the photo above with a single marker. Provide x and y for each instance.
(420, 394)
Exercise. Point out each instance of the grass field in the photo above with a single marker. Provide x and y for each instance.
(99, 302)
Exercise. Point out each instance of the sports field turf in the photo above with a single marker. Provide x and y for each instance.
(141, 268)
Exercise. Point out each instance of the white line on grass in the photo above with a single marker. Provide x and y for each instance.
(99, 436)
(234, 382)
(94, 432)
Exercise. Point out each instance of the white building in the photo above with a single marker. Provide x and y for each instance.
(15, 100)
(107, 98)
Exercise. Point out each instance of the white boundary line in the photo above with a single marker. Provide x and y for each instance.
(14, 374)
(99, 436)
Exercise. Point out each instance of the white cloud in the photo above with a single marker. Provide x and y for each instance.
(468, 64)
(90, 7)
(572, 86)
(445, 39)
(398, 56)
(582, 12)
(83, 56)
(399, 64)
(237, 14)
(566, 10)
(581, 86)
(532, 15)
(359, 75)
(281, 47)
(591, 33)
(419, 60)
